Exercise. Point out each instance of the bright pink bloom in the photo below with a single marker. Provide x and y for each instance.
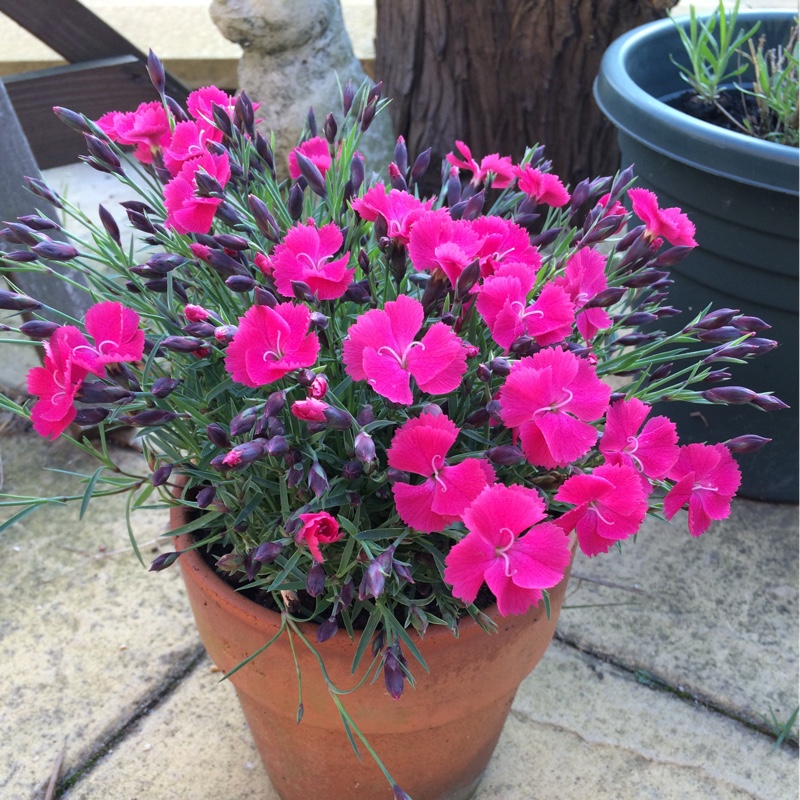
(196, 313)
(420, 447)
(583, 279)
(147, 129)
(189, 141)
(305, 255)
(438, 242)
(309, 410)
(381, 348)
(200, 102)
(543, 187)
(504, 242)
(264, 264)
(56, 383)
(652, 452)
(707, 478)
(503, 304)
(616, 210)
(319, 387)
(500, 166)
(270, 343)
(116, 334)
(186, 212)
(552, 396)
(316, 150)
(510, 548)
(319, 528)
(670, 223)
(399, 209)
(610, 505)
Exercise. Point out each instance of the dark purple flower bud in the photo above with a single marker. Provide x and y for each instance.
(319, 321)
(396, 476)
(275, 403)
(109, 223)
(222, 120)
(365, 416)
(38, 328)
(467, 279)
(150, 418)
(99, 392)
(102, 154)
(311, 121)
(206, 496)
(603, 229)
(546, 238)
(224, 333)
(276, 446)
(306, 378)
(294, 204)
(726, 333)
(207, 185)
(231, 241)
(368, 115)
(203, 330)
(37, 223)
(745, 323)
(373, 582)
(19, 256)
(421, 165)
(453, 188)
(243, 109)
(357, 292)
(633, 339)
(661, 371)
(315, 580)
(161, 475)
(607, 297)
(363, 261)
(353, 498)
(356, 172)
(318, 480)
(327, 630)
(302, 291)
(73, 120)
(401, 155)
(264, 297)
(757, 347)
(244, 454)
(729, 395)
(294, 476)
(228, 214)
(505, 455)
(156, 72)
(478, 417)
(523, 345)
(665, 312)
(352, 470)
(164, 560)
(636, 319)
(310, 171)
(398, 180)
(348, 95)
(267, 552)
(749, 443)
(500, 366)
(140, 221)
(647, 277)
(240, 283)
(402, 571)
(264, 220)
(633, 235)
(330, 128)
(217, 436)
(620, 183)
(217, 462)
(346, 594)
(175, 109)
(768, 402)
(393, 676)
(364, 448)
(182, 344)
(474, 206)
(17, 233)
(717, 319)
(671, 256)
(41, 189)
(90, 416)
(717, 375)
(483, 373)
(55, 251)
(230, 562)
(243, 422)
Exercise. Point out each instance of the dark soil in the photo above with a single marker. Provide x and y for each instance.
(739, 106)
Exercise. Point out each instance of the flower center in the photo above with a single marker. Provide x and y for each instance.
(401, 359)
(436, 472)
(315, 265)
(522, 313)
(630, 449)
(277, 353)
(593, 507)
(555, 407)
(502, 552)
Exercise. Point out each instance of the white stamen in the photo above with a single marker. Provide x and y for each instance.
(593, 507)
(401, 360)
(276, 353)
(630, 448)
(556, 406)
(436, 472)
(503, 551)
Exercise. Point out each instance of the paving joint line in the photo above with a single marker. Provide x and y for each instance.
(657, 683)
(174, 680)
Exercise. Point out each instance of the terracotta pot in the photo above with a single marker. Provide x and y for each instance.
(436, 740)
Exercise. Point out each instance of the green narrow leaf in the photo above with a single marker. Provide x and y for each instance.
(200, 522)
(87, 495)
(132, 538)
(20, 515)
(350, 736)
(401, 632)
(546, 598)
(366, 637)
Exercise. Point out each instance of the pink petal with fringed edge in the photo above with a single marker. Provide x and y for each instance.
(116, 334)
(440, 363)
(511, 599)
(421, 440)
(462, 484)
(414, 507)
(387, 377)
(567, 438)
(466, 564)
(557, 316)
(498, 506)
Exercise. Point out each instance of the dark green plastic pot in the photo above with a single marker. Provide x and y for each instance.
(742, 194)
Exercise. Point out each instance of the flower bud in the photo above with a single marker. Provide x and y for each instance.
(243, 110)
(646, 277)
(327, 630)
(217, 436)
(203, 330)
(161, 475)
(716, 319)
(607, 297)
(505, 455)
(768, 402)
(264, 220)
(745, 323)
(749, 443)
(357, 292)
(483, 373)
(337, 418)
(164, 560)
(267, 552)
(40, 189)
(348, 95)
(402, 571)
(240, 283)
(352, 470)
(38, 328)
(356, 171)
(421, 165)
(633, 339)
(102, 155)
(99, 392)
(396, 476)
(302, 291)
(318, 480)
(224, 333)
(310, 171)
(330, 128)
(480, 416)
(155, 70)
(373, 582)
(500, 366)
(182, 344)
(206, 496)
(72, 119)
(729, 395)
(264, 297)
(636, 319)
(276, 446)
(243, 422)
(467, 279)
(19, 256)
(230, 562)
(364, 448)
(717, 375)
(244, 454)
(393, 677)
(319, 387)
(90, 416)
(315, 580)
(725, 333)
(401, 155)
(294, 476)
(546, 238)
(55, 251)
(150, 418)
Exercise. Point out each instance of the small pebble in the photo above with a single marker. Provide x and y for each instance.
(147, 746)
(214, 668)
(123, 647)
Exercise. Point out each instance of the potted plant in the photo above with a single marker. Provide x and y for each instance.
(382, 424)
(741, 191)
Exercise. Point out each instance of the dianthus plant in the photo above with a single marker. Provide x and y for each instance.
(383, 411)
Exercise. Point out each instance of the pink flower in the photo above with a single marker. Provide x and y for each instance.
(196, 313)
(316, 151)
(270, 343)
(420, 447)
(503, 304)
(56, 383)
(186, 212)
(147, 129)
(319, 528)
(319, 387)
(504, 242)
(652, 452)
(399, 209)
(616, 210)
(500, 166)
(200, 102)
(264, 264)
(583, 279)
(438, 242)
(305, 255)
(707, 478)
(610, 505)
(509, 547)
(552, 396)
(543, 187)
(381, 349)
(309, 410)
(116, 334)
(670, 223)
(189, 141)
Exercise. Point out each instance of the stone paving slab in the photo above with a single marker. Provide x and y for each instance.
(717, 615)
(579, 728)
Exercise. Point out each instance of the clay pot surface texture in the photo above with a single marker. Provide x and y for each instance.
(435, 741)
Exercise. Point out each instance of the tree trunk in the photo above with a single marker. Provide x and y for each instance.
(501, 75)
